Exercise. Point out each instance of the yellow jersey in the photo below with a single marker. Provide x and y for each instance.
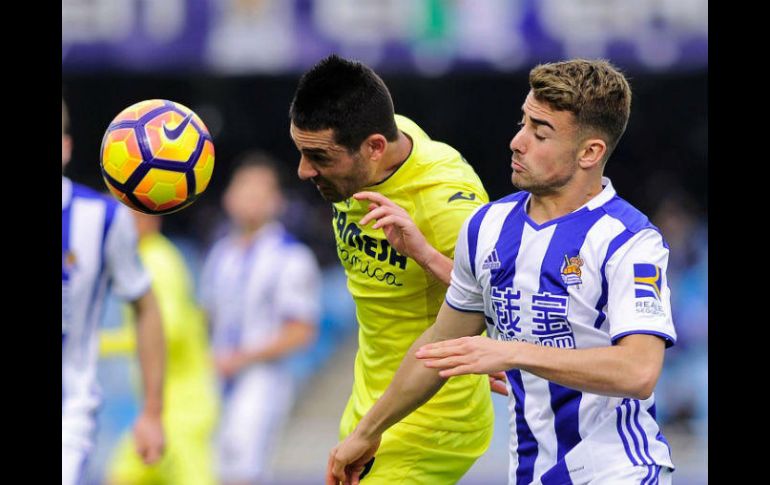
(189, 391)
(396, 299)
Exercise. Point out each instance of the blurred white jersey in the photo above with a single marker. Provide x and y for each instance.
(583, 280)
(250, 290)
(98, 250)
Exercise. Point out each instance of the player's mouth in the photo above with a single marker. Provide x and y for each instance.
(516, 166)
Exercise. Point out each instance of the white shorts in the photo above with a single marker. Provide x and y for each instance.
(73, 464)
(253, 414)
(644, 475)
(77, 441)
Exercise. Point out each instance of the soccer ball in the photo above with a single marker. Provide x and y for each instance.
(157, 156)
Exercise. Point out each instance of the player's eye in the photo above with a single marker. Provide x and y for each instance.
(317, 157)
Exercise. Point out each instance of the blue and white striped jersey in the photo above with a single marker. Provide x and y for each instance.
(583, 280)
(98, 250)
(251, 290)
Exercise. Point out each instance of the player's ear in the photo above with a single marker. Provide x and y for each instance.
(374, 146)
(591, 152)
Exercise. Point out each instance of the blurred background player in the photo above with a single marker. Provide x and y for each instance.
(349, 139)
(190, 406)
(99, 250)
(261, 291)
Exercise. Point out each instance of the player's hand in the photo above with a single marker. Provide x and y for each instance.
(467, 355)
(347, 459)
(148, 435)
(399, 228)
(229, 364)
(497, 383)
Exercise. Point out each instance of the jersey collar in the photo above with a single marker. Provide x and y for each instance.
(607, 193)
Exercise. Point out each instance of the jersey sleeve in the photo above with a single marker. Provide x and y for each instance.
(130, 280)
(441, 211)
(639, 298)
(298, 293)
(464, 291)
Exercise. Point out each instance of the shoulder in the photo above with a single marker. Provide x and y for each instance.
(98, 205)
(410, 127)
(82, 192)
(632, 218)
(289, 243)
(635, 222)
(500, 206)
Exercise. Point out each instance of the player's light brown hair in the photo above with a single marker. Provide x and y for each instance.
(595, 91)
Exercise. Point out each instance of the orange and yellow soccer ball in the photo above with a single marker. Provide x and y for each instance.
(157, 156)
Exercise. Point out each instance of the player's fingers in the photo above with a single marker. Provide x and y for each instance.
(440, 345)
(153, 455)
(498, 376)
(498, 387)
(374, 197)
(445, 363)
(140, 447)
(354, 476)
(330, 478)
(435, 351)
(374, 214)
(457, 371)
(145, 455)
(338, 469)
(387, 221)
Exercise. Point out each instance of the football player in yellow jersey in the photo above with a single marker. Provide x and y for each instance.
(362, 157)
(190, 405)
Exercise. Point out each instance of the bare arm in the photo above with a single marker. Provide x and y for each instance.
(404, 235)
(294, 336)
(629, 369)
(412, 385)
(152, 359)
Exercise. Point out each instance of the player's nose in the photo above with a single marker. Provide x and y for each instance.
(305, 171)
(517, 142)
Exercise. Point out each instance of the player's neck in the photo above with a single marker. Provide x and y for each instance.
(547, 207)
(251, 231)
(395, 155)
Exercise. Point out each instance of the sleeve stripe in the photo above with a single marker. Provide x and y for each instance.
(465, 310)
(473, 235)
(616, 243)
(668, 338)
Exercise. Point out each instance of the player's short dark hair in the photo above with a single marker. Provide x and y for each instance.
(595, 91)
(347, 97)
(257, 159)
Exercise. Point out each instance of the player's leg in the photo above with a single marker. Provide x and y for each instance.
(73, 465)
(254, 414)
(412, 455)
(77, 432)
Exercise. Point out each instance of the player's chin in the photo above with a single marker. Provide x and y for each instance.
(331, 195)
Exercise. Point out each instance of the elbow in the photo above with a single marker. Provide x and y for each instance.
(644, 384)
(642, 393)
